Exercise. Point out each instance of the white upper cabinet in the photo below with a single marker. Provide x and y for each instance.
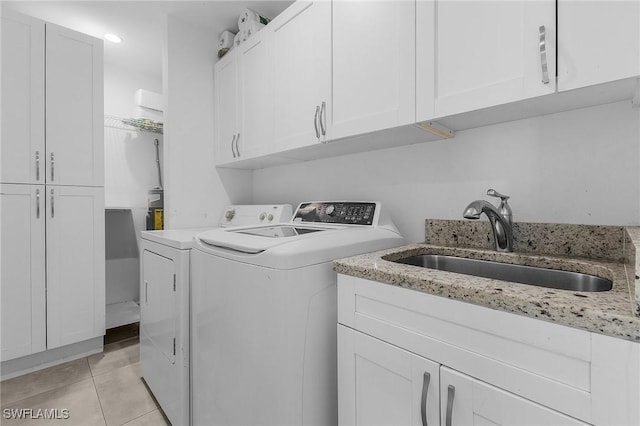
(598, 42)
(74, 105)
(493, 52)
(425, 58)
(300, 55)
(374, 66)
(227, 105)
(255, 91)
(23, 154)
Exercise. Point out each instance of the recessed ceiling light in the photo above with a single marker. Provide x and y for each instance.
(114, 38)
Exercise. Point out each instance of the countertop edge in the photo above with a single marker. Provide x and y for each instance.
(556, 306)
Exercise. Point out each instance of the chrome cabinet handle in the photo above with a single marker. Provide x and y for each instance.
(52, 207)
(52, 167)
(37, 165)
(323, 118)
(233, 140)
(37, 204)
(543, 55)
(146, 291)
(315, 121)
(426, 378)
(238, 146)
(451, 393)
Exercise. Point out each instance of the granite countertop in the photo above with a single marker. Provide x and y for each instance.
(610, 312)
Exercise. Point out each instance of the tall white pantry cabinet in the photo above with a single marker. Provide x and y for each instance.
(51, 191)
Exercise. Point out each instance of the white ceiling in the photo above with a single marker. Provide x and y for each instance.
(142, 23)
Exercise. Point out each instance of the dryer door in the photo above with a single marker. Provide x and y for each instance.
(158, 303)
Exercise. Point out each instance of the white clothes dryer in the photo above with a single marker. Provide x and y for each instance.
(264, 314)
(164, 305)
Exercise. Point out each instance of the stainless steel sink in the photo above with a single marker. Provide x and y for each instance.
(541, 277)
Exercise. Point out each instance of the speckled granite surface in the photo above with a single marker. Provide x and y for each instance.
(590, 241)
(632, 261)
(610, 312)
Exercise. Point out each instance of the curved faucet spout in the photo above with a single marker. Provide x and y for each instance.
(501, 226)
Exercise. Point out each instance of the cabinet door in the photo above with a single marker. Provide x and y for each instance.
(22, 99)
(300, 54)
(158, 302)
(598, 42)
(425, 58)
(374, 72)
(256, 106)
(74, 103)
(227, 100)
(23, 270)
(380, 384)
(466, 401)
(488, 53)
(75, 264)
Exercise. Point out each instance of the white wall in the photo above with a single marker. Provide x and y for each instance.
(580, 166)
(130, 167)
(195, 192)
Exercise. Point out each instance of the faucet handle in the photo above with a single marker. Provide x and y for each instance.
(494, 193)
(505, 208)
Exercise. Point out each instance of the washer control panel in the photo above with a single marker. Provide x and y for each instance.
(340, 212)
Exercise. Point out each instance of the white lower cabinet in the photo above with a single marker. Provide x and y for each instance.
(381, 384)
(467, 401)
(58, 301)
(75, 264)
(23, 302)
(410, 358)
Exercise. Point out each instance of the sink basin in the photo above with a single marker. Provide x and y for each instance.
(541, 277)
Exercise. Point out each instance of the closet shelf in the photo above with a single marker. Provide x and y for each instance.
(143, 124)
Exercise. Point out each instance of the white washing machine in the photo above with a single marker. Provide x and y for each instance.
(164, 306)
(264, 314)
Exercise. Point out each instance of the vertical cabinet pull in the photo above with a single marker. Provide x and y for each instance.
(451, 393)
(52, 167)
(238, 146)
(52, 207)
(37, 165)
(233, 151)
(543, 55)
(146, 291)
(315, 121)
(323, 118)
(426, 378)
(37, 204)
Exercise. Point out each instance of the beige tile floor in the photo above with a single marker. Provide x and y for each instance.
(102, 389)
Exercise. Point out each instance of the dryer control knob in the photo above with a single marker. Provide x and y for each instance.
(270, 217)
(230, 214)
(330, 210)
(262, 216)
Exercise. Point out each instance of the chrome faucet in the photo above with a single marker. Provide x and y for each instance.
(501, 219)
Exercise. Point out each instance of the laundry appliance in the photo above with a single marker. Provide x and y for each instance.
(164, 305)
(264, 314)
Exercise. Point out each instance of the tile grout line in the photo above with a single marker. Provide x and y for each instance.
(95, 388)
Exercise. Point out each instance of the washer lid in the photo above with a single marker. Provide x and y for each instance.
(259, 238)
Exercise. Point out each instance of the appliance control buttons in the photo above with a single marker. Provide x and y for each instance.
(263, 215)
(230, 214)
(270, 217)
(330, 210)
